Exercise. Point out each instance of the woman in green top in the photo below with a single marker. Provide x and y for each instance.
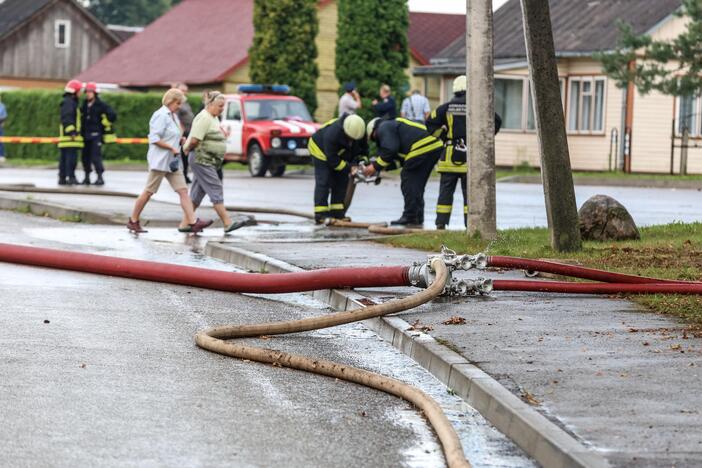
(206, 145)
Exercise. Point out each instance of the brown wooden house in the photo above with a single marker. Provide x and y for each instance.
(43, 43)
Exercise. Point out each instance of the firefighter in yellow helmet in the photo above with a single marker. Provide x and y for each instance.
(335, 147)
(448, 122)
(70, 139)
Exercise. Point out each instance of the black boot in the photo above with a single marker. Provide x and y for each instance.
(72, 181)
(62, 181)
(99, 180)
(86, 181)
(402, 221)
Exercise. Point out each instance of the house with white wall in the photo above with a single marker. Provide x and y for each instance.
(608, 127)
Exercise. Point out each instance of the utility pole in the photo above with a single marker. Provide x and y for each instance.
(561, 207)
(482, 217)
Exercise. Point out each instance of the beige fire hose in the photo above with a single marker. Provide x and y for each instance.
(213, 339)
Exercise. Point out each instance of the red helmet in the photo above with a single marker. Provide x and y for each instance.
(92, 86)
(73, 86)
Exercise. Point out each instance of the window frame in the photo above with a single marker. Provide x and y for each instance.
(66, 34)
(526, 99)
(592, 80)
(697, 113)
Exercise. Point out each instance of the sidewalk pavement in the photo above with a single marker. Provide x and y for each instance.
(622, 381)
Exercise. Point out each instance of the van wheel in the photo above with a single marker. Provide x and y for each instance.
(277, 169)
(258, 163)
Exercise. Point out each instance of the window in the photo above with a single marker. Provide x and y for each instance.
(509, 102)
(234, 110)
(272, 109)
(586, 105)
(62, 33)
(513, 101)
(688, 115)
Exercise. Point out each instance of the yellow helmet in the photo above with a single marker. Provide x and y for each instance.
(371, 127)
(354, 127)
(459, 84)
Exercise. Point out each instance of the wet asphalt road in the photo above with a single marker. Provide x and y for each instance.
(518, 205)
(114, 377)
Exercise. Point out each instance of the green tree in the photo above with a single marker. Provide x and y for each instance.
(652, 60)
(129, 12)
(284, 49)
(371, 46)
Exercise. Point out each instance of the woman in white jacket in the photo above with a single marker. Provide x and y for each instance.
(165, 138)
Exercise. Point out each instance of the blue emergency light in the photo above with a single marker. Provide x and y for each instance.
(264, 88)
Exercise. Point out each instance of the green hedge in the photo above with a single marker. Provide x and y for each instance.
(36, 113)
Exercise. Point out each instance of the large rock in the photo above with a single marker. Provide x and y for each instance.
(603, 218)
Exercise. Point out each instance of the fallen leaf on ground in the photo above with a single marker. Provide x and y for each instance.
(454, 320)
(419, 327)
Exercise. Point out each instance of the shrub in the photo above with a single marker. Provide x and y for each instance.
(36, 113)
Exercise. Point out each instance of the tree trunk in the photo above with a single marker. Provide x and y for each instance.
(481, 119)
(561, 207)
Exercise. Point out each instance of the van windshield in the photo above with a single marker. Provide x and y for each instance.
(272, 109)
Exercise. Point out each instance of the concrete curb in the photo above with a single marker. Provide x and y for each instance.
(56, 211)
(535, 434)
(614, 182)
(65, 213)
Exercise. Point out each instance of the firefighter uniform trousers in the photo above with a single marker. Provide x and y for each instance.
(67, 163)
(329, 180)
(413, 181)
(92, 155)
(447, 186)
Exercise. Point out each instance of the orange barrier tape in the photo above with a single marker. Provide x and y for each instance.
(54, 140)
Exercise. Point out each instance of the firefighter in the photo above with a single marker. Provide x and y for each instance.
(448, 122)
(336, 146)
(407, 143)
(70, 138)
(97, 119)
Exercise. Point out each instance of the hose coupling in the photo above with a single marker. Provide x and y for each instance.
(464, 288)
(460, 262)
(422, 275)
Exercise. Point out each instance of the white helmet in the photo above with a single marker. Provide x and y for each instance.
(354, 127)
(459, 84)
(371, 127)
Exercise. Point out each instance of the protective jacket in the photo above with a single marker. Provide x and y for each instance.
(448, 122)
(332, 145)
(401, 140)
(69, 130)
(97, 121)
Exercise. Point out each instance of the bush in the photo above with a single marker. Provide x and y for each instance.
(372, 48)
(284, 49)
(36, 113)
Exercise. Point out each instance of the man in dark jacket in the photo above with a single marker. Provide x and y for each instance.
(97, 121)
(385, 107)
(336, 146)
(70, 138)
(408, 144)
(448, 122)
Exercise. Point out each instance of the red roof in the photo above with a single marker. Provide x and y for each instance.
(203, 41)
(430, 33)
(197, 42)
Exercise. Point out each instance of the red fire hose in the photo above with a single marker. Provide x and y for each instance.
(574, 271)
(597, 288)
(205, 278)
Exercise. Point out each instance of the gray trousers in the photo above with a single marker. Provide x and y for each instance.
(205, 182)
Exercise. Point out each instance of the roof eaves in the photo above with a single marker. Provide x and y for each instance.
(418, 56)
(26, 21)
(662, 22)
